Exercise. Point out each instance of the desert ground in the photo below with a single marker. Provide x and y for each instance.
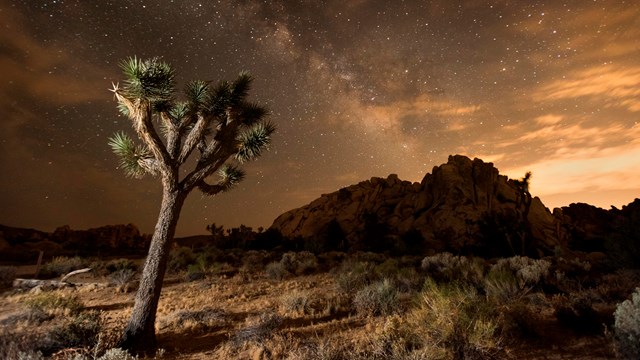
(266, 305)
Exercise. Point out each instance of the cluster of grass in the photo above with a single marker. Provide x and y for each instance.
(64, 330)
(62, 265)
(291, 264)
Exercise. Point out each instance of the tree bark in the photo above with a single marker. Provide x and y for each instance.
(139, 336)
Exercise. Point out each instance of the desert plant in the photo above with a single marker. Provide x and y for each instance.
(180, 258)
(122, 279)
(502, 286)
(116, 354)
(61, 265)
(299, 263)
(216, 130)
(627, 327)
(195, 320)
(276, 271)
(353, 276)
(379, 298)
(79, 331)
(295, 302)
(7, 275)
(454, 317)
(529, 272)
(54, 303)
(258, 328)
(14, 345)
(448, 267)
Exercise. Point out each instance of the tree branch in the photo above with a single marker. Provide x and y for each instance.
(140, 114)
(193, 138)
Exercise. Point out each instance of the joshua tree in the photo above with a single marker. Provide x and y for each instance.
(216, 125)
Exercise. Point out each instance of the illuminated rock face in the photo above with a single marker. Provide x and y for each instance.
(458, 207)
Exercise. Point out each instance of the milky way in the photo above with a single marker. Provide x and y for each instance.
(358, 89)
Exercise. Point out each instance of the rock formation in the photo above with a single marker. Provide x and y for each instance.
(464, 206)
(18, 244)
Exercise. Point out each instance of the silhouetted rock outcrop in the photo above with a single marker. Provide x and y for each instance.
(18, 244)
(464, 206)
(615, 232)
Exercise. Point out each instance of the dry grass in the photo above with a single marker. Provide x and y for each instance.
(245, 314)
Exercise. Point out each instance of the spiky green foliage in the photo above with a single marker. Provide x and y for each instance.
(254, 141)
(149, 80)
(210, 119)
(131, 156)
(231, 175)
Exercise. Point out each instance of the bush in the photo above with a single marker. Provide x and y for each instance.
(514, 277)
(529, 272)
(276, 271)
(295, 302)
(627, 327)
(299, 263)
(454, 317)
(448, 267)
(81, 330)
(53, 303)
(122, 279)
(180, 258)
(258, 328)
(197, 321)
(61, 265)
(7, 275)
(502, 286)
(18, 345)
(353, 276)
(117, 354)
(379, 298)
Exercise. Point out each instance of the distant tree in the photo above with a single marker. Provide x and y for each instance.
(216, 125)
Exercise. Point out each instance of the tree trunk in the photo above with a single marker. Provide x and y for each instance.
(139, 336)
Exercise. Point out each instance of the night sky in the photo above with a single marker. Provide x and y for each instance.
(357, 88)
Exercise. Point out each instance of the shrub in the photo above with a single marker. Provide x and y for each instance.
(529, 272)
(276, 271)
(514, 277)
(627, 327)
(54, 303)
(258, 328)
(299, 263)
(122, 279)
(117, 354)
(448, 267)
(502, 286)
(61, 265)
(454, 317)
(18, 345)
(296, 302)
(81, 330)
(7, 275)
(379, 298)
(200, 320)
(353, 276)
(180, 258)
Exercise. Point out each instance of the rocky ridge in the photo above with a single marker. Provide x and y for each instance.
(463, 206)
(17, 244)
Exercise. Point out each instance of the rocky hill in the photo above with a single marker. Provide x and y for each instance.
(464, 206)
(17, 244)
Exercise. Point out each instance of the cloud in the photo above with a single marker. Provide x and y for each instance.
(612, 85)
(44, 72)
(609, 169)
